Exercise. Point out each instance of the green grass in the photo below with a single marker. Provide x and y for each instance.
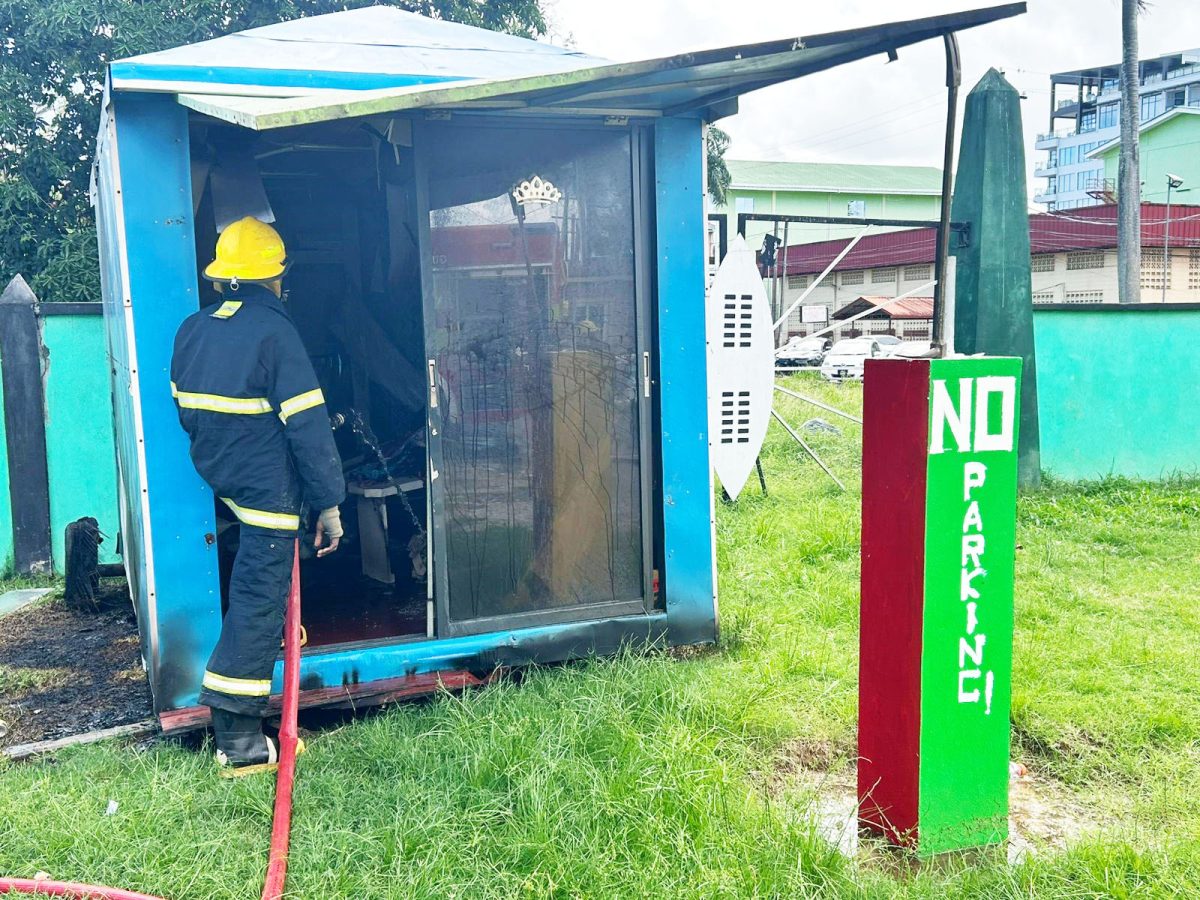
(15, 681)
(650, 775)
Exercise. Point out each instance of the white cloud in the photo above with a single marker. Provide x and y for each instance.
(869, 111)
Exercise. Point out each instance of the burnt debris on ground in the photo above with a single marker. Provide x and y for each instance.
(65, 672)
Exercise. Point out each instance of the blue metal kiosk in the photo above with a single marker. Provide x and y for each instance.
(498, 269)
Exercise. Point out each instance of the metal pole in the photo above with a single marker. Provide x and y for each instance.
(775, 272)
(1167, 240)
(807, 449)
(818, 403)
(783, 291)
(820, 278)
(953, 79)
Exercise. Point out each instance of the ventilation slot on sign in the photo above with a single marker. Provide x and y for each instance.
(729, 323)
(747, 318)
(727, 417)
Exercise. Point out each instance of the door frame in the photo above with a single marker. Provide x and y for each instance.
(641, 143)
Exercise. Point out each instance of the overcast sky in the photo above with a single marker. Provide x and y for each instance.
(869, 112)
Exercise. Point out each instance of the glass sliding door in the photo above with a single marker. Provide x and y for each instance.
(538, 376)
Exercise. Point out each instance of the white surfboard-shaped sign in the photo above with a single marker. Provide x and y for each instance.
(741, 366)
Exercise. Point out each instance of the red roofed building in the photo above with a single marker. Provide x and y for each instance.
(1074, 260)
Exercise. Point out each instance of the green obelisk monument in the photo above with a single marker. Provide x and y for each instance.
(993, 301)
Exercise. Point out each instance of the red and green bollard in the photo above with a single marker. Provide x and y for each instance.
(938, 546)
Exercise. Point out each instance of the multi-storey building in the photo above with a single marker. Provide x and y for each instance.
(1085, 114)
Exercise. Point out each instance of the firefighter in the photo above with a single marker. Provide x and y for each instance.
(260, 436)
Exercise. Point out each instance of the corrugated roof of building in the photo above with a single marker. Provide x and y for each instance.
(908, 308)
(1086, 228)
(769, 175)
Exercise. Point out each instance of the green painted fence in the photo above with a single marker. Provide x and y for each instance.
(1116, 389)
(77, 415)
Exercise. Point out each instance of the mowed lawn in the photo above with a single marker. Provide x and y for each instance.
(672, 775)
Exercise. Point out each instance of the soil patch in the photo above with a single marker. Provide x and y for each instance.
(64, 672)
(820, 781)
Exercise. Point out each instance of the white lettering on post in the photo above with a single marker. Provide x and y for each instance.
(965, 696)
(973, 547)
(945, 414)
(969, 420)
(974, 475)
(1006, 387)
(975, 653)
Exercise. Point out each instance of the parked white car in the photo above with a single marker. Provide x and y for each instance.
(802, 351)
(913, 349)
(888, 343)
(845, 360)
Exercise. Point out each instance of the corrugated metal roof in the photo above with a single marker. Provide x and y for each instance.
(1086, 228)
(892, 248)
(363, 49)
(234, 78)
(908, 308)
(842, 178)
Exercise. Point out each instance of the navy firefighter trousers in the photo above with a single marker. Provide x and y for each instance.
(260, 436)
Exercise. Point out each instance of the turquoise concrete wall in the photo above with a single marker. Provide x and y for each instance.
(79, 437)
(79, 430)
(1115, 391)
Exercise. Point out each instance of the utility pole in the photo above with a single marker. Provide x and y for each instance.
(1129, 191)
(1174, 182)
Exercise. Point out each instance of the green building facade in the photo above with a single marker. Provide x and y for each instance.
(1167, 144)
(827, 189)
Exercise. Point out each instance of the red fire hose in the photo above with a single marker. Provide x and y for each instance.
(68, 889)
(281, 828)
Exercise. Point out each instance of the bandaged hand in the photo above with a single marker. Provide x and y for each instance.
(329, 529)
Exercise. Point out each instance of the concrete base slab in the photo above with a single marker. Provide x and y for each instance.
(11, 601)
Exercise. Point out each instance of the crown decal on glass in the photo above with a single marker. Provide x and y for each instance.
(535, 190)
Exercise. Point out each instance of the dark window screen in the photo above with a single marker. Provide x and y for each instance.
(534, 335)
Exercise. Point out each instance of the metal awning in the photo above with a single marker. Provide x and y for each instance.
(705, 83)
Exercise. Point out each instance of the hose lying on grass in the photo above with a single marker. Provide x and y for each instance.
(281, 827)
(68, 889)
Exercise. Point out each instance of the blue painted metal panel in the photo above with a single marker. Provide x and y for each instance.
(480, 653)
(113, 293)
(687, 482)
(291, 78)
(152, 137)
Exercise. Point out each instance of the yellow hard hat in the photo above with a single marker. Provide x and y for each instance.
(248, 251)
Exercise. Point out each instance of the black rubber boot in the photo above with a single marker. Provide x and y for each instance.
(240, 740)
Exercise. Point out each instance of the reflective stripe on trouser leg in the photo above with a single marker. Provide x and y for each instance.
(238, 675)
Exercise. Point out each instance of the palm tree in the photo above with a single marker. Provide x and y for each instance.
(1129, 189)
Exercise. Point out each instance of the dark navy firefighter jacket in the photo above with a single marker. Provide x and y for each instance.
(249, 400)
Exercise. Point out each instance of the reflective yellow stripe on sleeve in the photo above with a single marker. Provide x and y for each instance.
(240, 687)
(240, 406)
(262, 518)
(299, 403)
